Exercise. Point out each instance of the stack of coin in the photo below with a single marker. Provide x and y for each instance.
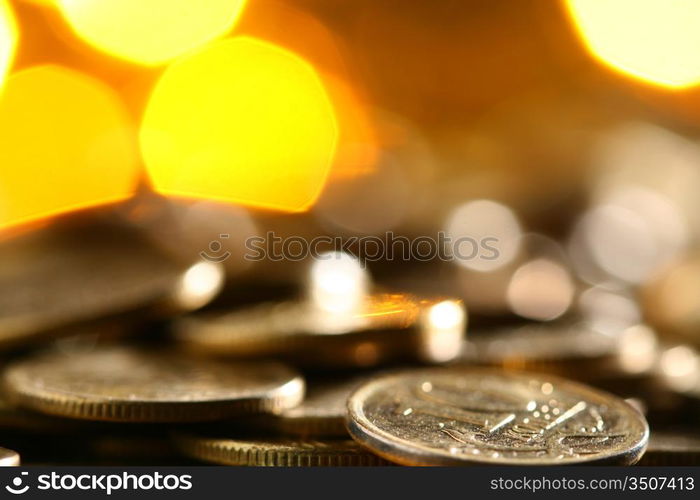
(287, 383)
(416, 416)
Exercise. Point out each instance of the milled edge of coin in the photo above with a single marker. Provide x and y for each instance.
(287, 395)
(9, 458)
(381, 443)
(277, 452)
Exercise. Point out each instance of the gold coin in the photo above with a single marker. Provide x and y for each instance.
(130, 385)
(471, 416)
(8, 458)
(389, 326)
(278, 452)
(56, 278)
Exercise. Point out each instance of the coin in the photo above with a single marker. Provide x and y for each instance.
(671, 300)
(130, 385)
(278, 452)
(672, 448)
(561, 348)
(471, 416)
(321, 414)
(8, 458)
(55, 278)
(388, 326)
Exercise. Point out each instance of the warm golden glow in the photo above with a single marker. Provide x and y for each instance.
(8, 39)
(150, 32)
(242, 121)
(652, 40)
(65, 143)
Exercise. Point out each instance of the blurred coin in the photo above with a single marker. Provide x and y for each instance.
(678, 371)
(467, 416)
(129, 385)
(672, 300)
(672, 448)
(8, 458)
(553, 348)
(321, 414)
(387, 326)
(59, 277)
(278, 452)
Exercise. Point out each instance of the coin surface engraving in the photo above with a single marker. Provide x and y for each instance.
(125, 384)
(461, 416)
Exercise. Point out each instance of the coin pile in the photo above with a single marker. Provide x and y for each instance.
(392, 380)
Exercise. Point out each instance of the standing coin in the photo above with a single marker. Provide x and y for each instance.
(468, 416)
(8, 458)
(278, 452)
(129, 385)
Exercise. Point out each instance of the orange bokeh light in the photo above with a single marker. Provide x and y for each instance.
(65, 143)
(241, 121)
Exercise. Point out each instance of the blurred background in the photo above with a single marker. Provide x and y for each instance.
(567, 130)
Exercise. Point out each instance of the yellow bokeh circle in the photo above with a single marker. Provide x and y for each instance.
(8, 39)
(66, 143)
(149, 32)
(241, 121)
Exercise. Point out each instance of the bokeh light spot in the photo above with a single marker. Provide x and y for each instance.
(242, 121)
(652, 40)
(150, 32)
(8, 39)
(65, 143)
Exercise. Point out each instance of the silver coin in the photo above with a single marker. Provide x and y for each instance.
(467, 416)
(124, 384)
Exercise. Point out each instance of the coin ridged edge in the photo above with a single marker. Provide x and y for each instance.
(232, 452)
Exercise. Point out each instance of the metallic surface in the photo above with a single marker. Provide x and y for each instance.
(123, 384)
(470, 416)
(279, 452)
